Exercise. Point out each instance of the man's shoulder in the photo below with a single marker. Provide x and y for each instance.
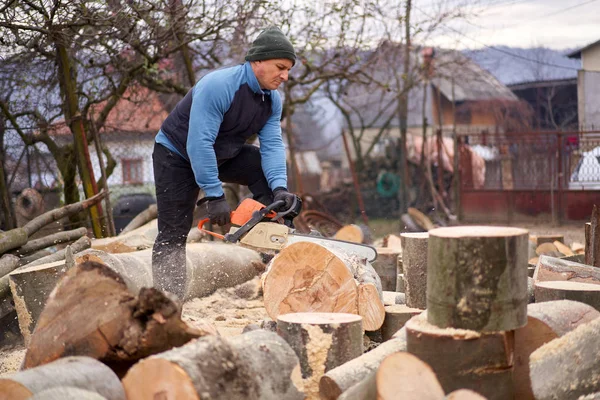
(226, 76)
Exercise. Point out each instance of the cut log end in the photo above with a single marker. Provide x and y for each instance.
(403, 376)
(156, 378)
(370, 307)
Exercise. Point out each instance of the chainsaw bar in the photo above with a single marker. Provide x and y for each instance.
(361, 250)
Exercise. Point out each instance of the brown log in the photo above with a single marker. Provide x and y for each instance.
(79, 245)
(563, 248)
(308, 277)
(545, 322)
(79, 372)
(414, 262)
(548, 249)
(420, 219)
(392, 241)
(141, 219)
(50, 240)
(396, 317)
(350, 233)
(67, 393)
(465, 394)
(386, 265)
(464, 359)
(400, 376)
(567, 367)
(477, 278)
(255, 365)
(322, 341)
(137, 239)
(340, 379)
(105, 321)
(557, 269)
(587, 293)
(540, 239)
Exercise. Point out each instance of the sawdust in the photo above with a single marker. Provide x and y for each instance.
(317, 348)
(11, 359)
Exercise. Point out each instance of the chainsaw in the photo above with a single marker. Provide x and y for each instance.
(259, 227)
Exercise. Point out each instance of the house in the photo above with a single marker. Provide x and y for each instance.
(588, 82)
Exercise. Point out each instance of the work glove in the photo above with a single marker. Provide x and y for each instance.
(218, 210)
(282, 193)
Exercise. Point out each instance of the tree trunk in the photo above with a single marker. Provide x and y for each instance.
(400, 376)
(322, 341)
(545, 322)
(105, 321)
(79, 245)
(141, 219)
(388, 266)
(6, 207)
(567, 367)
(586, 293)
(340, 379)
(67, 393)
(255, 365)
(50, 240)
(465, 359)
(308, 277)
(78, 372)
(414, 265)
(477, 278)
(556, 269)
(396, 317)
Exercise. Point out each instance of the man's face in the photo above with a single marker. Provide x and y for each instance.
(272, 73)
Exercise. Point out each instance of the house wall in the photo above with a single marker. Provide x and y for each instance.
(588, 99)
(590, 58)
(478, 115)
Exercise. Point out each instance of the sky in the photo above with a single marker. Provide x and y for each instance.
(555, 24)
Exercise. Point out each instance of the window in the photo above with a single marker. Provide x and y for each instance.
(132, 171)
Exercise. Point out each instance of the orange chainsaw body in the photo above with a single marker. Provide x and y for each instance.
(239, 216)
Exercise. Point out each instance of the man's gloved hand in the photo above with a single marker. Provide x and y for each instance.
(218, 210)
(282, 193)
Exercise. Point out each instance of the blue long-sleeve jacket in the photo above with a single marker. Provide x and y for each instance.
(216, 117)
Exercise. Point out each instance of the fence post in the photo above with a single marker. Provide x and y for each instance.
(559, 209)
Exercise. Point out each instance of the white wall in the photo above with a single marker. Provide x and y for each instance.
(590, 58)
(141, 149)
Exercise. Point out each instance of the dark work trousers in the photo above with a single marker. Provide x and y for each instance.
(176, 196)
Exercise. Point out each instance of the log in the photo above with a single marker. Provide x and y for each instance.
(141, 219)
(392, 241)
(322, 341)
(386, 265)
(414, 262)
(67, 393)
(34, 257)
(79, 245)
(50, 240)
(540, 239)
(209, 266)
(558, 269)
(8, 263)
(567, 367)
(12, 239)
(400, 376)
(308, 277)
(79, 372)
(350, 233)
(138, 239)
(586, 293)
(530, 290)
(124, 328)
(255, 365)
(400, 285)
(477, 278)
(420, 219)
(592, 396)
(548, 249)
(340, 379)
(465, 394)
(592, 239)
(408, 224)
(30, 288)
(391, 298)
(545, 322)
(566, 250)
(464, 359)
(396, 317)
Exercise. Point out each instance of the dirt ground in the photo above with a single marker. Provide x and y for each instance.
(230, 310)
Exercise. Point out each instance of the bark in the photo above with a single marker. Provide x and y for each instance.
(12, 239)
(50, 240)
(8, 263)
(78, 372)
(340, 379)
(414, 264)
(465, 359)
(137, 239)
(79, 245)
(308, 277)
(34, 257)
(322, 341)
(477, 278)
(586, 293)
(592, 239)
(391, 298)
(396, 317)
(141, 219)
(255, 365)
(567, 367)
(105, 321)
(388, 266)
(557, 269)
(545, 322)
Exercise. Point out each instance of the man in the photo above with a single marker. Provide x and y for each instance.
(202, 143)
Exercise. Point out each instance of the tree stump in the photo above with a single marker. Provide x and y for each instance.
(414, 262)
(105, 321)
(400, 376)
(557, 269)
(568, 290)
(545, 322)
(477, 278)
(567, 367)
(255, 365)
(386, 266)
(308, 277)
(79, 372)
(464, 359)
(396, 316)
(340, 379)
(322, 341)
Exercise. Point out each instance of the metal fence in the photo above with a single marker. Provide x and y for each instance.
(531, 173)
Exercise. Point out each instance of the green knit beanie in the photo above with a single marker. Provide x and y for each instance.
(270, 44)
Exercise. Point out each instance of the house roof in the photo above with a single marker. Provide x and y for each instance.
(543, 84)
(577, 53)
